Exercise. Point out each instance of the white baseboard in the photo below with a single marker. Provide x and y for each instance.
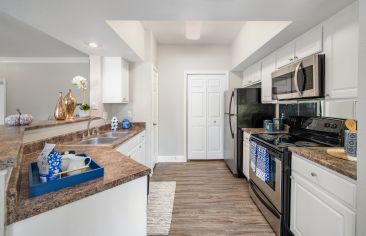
(171, 159)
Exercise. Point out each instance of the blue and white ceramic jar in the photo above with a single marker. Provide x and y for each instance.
(350, 143)
(114, 124)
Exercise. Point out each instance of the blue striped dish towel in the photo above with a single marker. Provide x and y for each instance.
(253, 155)
(262, 170)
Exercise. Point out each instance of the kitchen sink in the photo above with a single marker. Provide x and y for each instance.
(98, 140)
(117, 134)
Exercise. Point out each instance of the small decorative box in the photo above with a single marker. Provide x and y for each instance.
(37, 188)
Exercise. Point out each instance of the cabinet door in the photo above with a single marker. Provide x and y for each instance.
(268, 66)
(314, 212)
(135, 154)
(246, 76)
(115, 80)
(309, 43)
(256, 72)
(125, 82)
(341, 54)
(285, 55)
(142, 154)
(246, 163)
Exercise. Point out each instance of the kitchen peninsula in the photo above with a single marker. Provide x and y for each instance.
(113, 205)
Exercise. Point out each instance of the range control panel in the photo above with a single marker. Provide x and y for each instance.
(321, 124)
(329, 125)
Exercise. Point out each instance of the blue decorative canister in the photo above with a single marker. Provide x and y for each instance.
(126, 124)
(350, 143)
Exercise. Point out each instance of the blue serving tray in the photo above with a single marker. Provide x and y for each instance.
(36, 188)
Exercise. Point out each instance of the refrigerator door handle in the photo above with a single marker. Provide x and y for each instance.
(230, 115)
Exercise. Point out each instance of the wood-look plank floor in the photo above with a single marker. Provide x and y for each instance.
(210, 201)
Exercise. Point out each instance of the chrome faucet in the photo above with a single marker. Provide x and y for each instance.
(97, 128)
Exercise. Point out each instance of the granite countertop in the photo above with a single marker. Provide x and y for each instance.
(261, 131)
(51, 123)
(320, 156)
(11, 139)
(133, 131)
(118, 169)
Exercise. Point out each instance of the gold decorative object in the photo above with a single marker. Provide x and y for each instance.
(70, 103)
(60, 110)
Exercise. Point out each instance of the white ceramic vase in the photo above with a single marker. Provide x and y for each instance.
(83, 113)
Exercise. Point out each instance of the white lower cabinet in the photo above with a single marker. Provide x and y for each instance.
(135, 148)
(246, 155)
(322, 202)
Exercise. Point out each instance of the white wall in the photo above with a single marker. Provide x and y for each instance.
(361, 164)
(252, 36)
(173, 60)
(133, 33)
(34, 87)
(140, 103)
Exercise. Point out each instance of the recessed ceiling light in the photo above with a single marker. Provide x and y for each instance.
(93, 45)
(193, 30)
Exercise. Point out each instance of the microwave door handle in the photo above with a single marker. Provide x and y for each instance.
(296, 79)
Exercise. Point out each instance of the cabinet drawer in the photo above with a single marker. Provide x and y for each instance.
(127, 147)
(342, 188)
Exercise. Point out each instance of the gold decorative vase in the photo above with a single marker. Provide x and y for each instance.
(60, 110)
(70, 103)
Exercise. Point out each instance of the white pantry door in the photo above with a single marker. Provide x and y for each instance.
(205, 116)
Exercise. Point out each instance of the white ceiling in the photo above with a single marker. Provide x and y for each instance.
(21, 40)
(213, 32)
(75, 22)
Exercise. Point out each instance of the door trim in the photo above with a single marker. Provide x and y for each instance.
(154, 159)
(197, 72)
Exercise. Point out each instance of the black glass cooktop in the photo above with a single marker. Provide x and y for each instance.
(283, 141)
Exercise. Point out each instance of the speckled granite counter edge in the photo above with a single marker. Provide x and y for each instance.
(320, 156)
(11, 140)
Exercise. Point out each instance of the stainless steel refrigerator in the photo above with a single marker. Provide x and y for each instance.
(243, 109)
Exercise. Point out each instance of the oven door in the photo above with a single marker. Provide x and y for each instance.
(272, 188)
(302, 79)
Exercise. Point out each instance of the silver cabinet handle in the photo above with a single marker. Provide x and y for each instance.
(296, 57)
(154, 124)
(214, 121)
(291, 59)
(327, 95)
(313, 174)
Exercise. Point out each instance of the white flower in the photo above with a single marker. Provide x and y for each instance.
(80, 82)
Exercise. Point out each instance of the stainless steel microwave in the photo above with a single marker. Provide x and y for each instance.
(300, 80)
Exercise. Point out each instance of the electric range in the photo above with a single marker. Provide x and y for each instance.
(272, 196)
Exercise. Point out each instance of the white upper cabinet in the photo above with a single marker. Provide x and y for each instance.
(268, 66)
(341, 54)
(309, 43)
(115, 80)
(286, 54)
(252, 74)
(305, 45)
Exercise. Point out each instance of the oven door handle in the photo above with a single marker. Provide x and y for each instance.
(296, 79)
